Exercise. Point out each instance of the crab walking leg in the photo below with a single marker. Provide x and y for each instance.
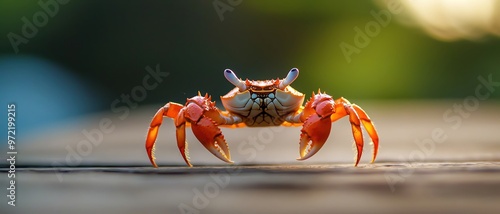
(369, 127)
(367, 123)
(344, 108)
(170, 110)
(180, 135)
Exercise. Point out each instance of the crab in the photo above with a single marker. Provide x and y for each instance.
(259, 104)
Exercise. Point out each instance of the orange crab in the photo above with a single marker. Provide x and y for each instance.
(258, 104)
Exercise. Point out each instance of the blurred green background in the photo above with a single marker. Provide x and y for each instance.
(100, 50)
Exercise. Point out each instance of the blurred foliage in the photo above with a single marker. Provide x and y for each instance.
(108, 44)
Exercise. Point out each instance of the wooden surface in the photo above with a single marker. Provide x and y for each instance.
(461, 174)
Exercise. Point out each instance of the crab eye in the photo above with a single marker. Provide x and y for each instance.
(255, 88)
(269, 88)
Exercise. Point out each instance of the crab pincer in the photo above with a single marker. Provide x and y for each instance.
(210, 136)
(314, 134)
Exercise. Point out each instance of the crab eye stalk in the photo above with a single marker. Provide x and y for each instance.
(292, 75)
(232, 78)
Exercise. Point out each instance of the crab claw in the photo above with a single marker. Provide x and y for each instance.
(314, 134)
(211, 138)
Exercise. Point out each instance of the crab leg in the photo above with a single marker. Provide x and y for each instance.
(369, 127)
(170, 110)
(344, 108)
(180, 135)
(361, 116)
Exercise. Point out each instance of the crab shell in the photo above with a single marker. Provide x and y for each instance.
(262, 103)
